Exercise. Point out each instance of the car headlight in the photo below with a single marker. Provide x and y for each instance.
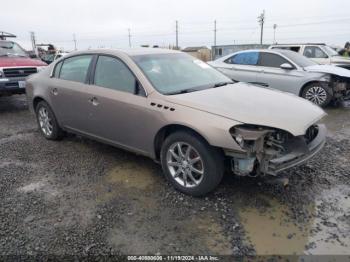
(325, 78)
(246, 135)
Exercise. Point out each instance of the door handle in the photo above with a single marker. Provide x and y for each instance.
(54, 91)
(94, 101)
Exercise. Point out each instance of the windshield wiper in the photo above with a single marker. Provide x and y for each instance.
(222, 84)
(183, 91)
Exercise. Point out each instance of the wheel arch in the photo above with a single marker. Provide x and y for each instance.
(36, 101)
(305, 85)
(165, 131)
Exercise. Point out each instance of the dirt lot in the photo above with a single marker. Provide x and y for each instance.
(81, 197)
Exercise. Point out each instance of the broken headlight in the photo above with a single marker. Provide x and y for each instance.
(247, 135)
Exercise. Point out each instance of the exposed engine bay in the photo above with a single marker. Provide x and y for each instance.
(340, 87)
(269, 150)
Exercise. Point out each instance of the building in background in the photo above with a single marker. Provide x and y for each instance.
(201, 52)
(222, 50)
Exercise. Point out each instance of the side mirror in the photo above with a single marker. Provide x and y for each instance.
(286, 66)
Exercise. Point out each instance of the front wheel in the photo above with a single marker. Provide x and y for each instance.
(190, 164)
(317, 94)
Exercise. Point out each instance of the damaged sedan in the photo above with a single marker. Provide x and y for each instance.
(177, 110)
(288, 71)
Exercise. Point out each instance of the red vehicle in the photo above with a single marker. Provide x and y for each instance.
(15, 66)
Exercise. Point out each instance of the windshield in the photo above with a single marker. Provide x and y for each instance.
(8, 48)
(176, 73)
(299, 59)
(330, 51)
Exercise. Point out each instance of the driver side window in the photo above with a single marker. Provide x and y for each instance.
(314, 52)
(112, 73)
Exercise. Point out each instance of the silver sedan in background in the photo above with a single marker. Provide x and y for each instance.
(287, 71)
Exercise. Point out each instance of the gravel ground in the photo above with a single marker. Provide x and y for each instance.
(80, 197)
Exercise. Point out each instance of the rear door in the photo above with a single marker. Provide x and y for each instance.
(68, 92)
(242, 67)
(273, 76)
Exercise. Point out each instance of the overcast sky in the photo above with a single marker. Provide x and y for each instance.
(105, 23)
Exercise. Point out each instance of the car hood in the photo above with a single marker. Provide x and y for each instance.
(20, 61)
(329, 69)
(340, 60)
(250, 104)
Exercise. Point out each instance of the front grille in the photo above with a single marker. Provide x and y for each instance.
(19, 72)
(12, 84)
(311, 133)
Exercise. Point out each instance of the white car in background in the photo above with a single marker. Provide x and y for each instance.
(287, 71)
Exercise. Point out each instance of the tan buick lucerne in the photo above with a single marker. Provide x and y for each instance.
(177, 110)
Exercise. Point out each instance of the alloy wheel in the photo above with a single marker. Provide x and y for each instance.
(185, 164)
(45, 121)
(317, 95)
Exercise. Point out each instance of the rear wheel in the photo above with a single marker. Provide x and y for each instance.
(190, 164)
(317, 94)
(47, 122)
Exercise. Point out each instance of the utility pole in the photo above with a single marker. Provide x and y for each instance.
(261, 20)
(129, 35)
(274, 33)
(177, 36)
(215, 30)
(32, 39)
(75, 42)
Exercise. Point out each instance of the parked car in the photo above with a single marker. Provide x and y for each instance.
(177, 110)
(287, 71)
(320, 53)
(49, 58)
(15, 66)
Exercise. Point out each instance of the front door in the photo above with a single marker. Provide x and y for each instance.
(272, 75)
(120, 111)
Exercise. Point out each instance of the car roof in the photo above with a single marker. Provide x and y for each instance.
(298, 44)
(129, 51)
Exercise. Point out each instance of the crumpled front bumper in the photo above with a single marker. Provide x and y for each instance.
(292, 159)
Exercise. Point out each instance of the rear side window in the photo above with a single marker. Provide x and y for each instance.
(271, 60)
(248, 58)
(76, 68)
(112, 73)
(57, 69)
(292, 48)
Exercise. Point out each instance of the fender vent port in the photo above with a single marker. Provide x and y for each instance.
(161, 106)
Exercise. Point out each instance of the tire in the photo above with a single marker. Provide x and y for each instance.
(49, 127)
(210, 163)
(317, 94)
